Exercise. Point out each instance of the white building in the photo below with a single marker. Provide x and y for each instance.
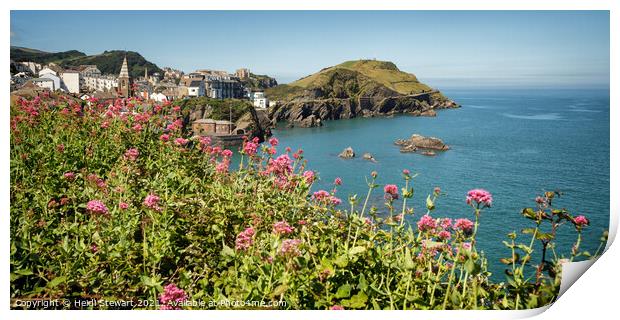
(259, 100)
(44, 83)
(159, 97)
(89, 70)
(70, 81)
(101, 83)
(53, 77)
(47, 70)
(196, 89)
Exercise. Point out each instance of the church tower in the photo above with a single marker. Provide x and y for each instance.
(124, 83)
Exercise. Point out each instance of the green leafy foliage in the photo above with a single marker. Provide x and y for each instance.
(176, 213)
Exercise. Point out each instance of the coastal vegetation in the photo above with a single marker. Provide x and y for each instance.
(359, 77)
(114, 202)
(257, 82)
(217, 109)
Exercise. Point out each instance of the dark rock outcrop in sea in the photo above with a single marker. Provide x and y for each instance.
(417, 141)
(310, 113)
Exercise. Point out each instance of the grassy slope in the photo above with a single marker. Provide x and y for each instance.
(111, 61)
(21, 54)
(369, 73)
(108, 62)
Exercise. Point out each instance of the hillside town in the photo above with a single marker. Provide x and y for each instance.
(86, 81)
(203, 89)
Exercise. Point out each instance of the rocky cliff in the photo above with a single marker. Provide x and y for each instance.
(363, 88)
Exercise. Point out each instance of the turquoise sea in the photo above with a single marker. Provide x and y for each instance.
(514, 143)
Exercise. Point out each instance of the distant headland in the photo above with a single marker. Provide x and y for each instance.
(360, 88)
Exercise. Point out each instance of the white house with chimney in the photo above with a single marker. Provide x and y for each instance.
(47, 73)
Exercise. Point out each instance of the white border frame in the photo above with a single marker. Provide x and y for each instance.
(594, 294)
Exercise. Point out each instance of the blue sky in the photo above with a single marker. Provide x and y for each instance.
(563, 49)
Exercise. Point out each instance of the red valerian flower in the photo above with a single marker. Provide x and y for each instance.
(427, 223)
(338, 181)
(480, 197)
(282, 228)
(132, 154)
(244, 239)
(391, 191)
(290, 247)
(172, 297)
(152, 201)
(96, 207)
(273, 142)
(464, 225)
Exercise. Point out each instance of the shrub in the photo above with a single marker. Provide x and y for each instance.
(113, 202)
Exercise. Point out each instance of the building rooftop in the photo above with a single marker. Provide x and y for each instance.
(195, 83)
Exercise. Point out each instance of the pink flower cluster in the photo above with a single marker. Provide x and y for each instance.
(444, 235)
(204, 141)
(132, 154)
(581, 221)
(244, 239)
(96, 207)
(172, 297)
(180, 141)
(282, 228)
(176, 125)
(250, 147)
(326, 197)
(69, 176)
(152, 201)
(427, 223)
(446, 223)
(273, 141)
(290, 248)
(464, 225)
(391, 191)
(222, 166)
(308, 176)
(280, 165)
(227, 153)
(123, 206)
(480, 197)
(338, 181)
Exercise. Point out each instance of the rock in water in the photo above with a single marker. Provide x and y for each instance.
(408, 148)
(420, 142)
(369, 157)
(309, 122)
(427, 142)
(428, 113)
(347, 153)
